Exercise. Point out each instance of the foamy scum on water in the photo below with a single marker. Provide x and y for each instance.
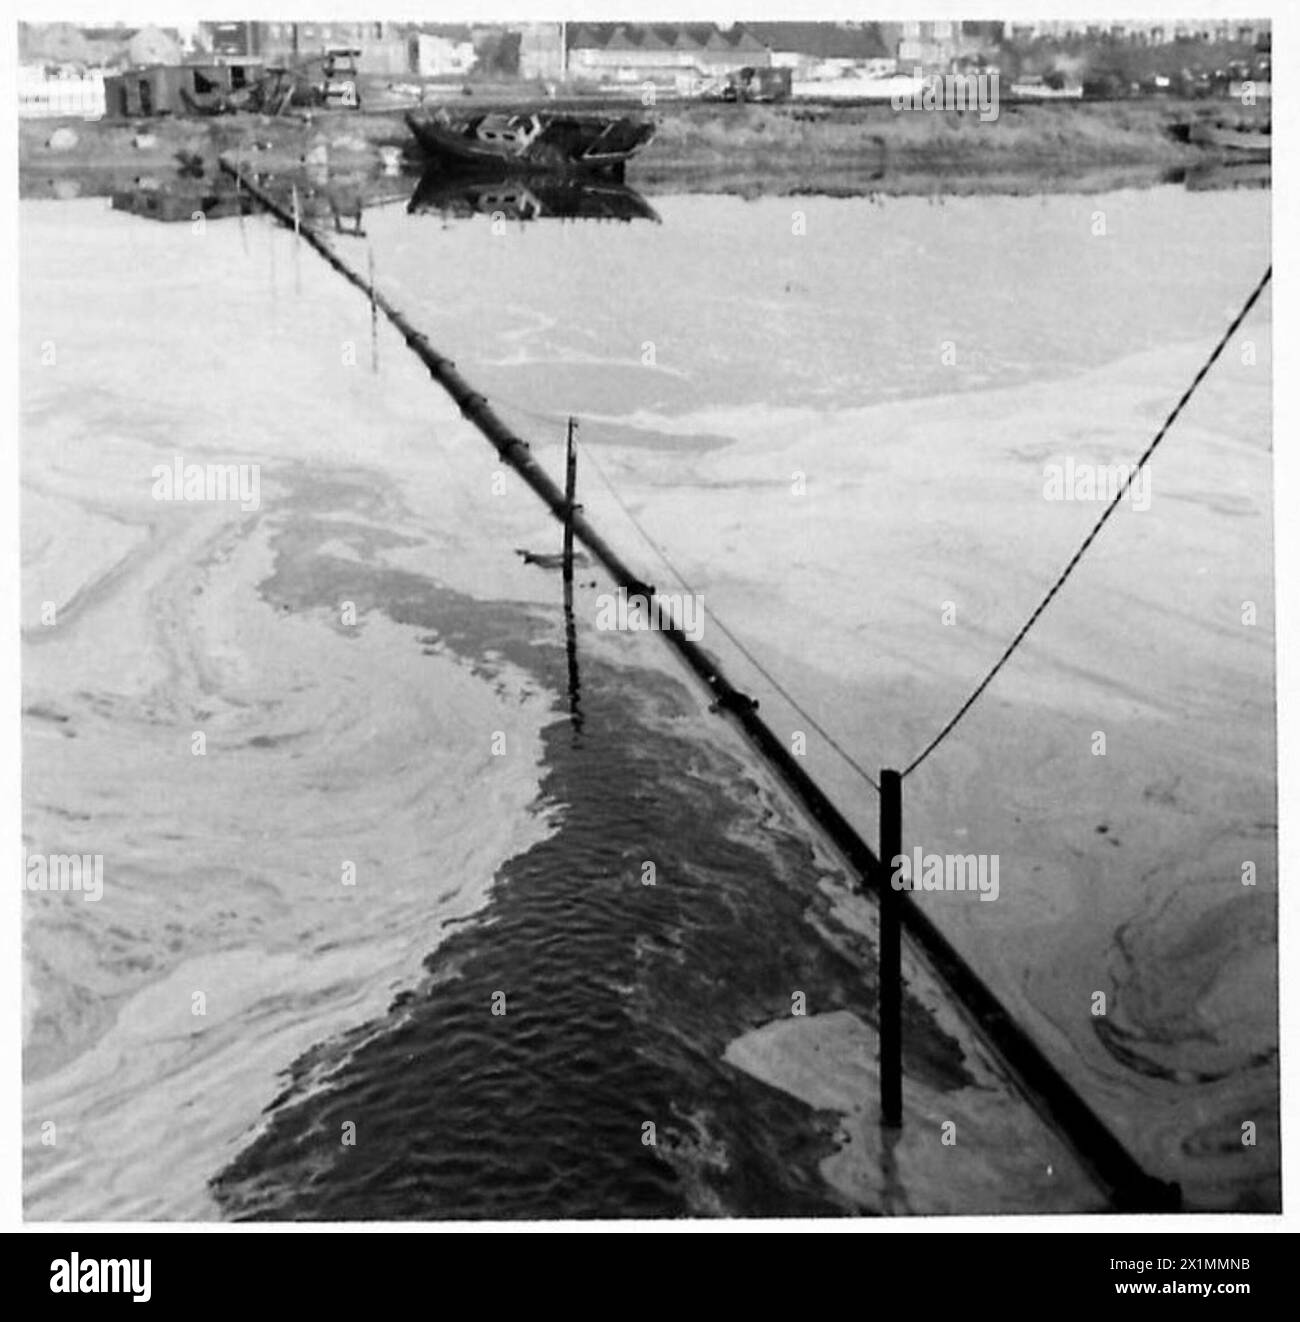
(233, 938)
(234, 759)
(295, 880)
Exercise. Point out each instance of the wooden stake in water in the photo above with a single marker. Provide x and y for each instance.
(297, 232)
(239, 198)
(891, 963)
(570, 491)
(374, 315)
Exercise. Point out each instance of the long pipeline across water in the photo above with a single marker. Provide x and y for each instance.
(1128, 1186)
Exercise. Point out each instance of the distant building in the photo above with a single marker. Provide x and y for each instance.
(384, 46)
(42, 94)
(1133, 32)
(166, 89)
(931, 46)
(229, 38)
(443, 51)
(541, 50)
(1059, 28)
(983, 33)
(623, 52)
(153, 46)
(815, 51)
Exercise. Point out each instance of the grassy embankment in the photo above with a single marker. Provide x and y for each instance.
(747, 149)
(864, 148)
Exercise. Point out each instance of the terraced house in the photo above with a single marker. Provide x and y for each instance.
(817, 51)
(664, 54)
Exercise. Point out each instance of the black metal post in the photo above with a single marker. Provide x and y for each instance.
(891, 962)
(570, 624)
(570, 491)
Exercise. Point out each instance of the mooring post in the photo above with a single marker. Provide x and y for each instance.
(297, 234)
(239, 199)
(891, 961)
(570, 491)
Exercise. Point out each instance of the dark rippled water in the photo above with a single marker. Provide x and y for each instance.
(620, 997)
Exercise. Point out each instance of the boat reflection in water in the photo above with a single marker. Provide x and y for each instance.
(180, 200)
(529, 197)
(1212, 177)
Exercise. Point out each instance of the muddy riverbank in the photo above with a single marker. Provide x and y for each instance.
(747, 150)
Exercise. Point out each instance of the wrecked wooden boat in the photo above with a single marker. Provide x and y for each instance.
(1244, 143)
(530, 140)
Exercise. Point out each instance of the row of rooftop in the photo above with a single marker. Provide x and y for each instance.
(557, 50)
(63, 67)
(871, 40)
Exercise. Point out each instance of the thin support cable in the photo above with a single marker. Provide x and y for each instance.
(1097, 527)
(722, 628)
